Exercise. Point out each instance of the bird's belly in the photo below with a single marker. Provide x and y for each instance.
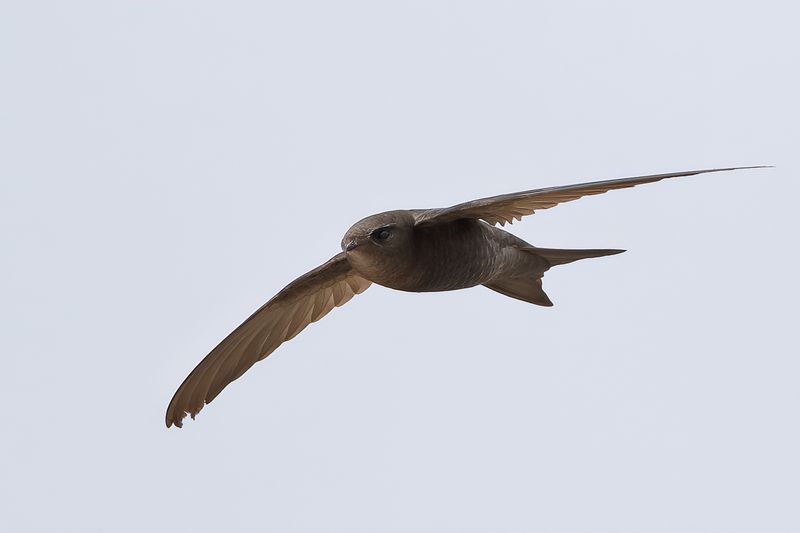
(433, 281)
(443, 271)
(451, 276)
(462, 258)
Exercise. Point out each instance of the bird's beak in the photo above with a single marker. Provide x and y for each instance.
(350, 246)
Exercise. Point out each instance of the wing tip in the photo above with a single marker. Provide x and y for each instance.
(175, 416)
(176, 420)
(729, 169)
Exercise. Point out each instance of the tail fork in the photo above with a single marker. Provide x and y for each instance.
(557, 257)
(528, 286)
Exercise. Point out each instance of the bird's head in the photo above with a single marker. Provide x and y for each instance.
(379, 237)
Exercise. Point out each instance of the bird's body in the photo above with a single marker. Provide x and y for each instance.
(451, 255)
(421, 250)
(443, 257)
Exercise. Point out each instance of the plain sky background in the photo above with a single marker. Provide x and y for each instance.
(166, 167)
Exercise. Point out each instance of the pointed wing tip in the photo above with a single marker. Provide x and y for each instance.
(734, 168)
(710, 170)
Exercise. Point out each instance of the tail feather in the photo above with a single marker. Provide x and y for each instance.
(528, 289)
(527, 286)
(556, 257)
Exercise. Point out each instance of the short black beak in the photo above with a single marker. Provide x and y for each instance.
(350, 246)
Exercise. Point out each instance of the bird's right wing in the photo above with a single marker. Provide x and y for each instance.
(303, 301)
(509, 207)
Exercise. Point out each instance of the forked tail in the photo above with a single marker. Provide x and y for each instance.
(527, 286)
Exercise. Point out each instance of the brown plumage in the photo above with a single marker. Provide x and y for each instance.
(410, 250)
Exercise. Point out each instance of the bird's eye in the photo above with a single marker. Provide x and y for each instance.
(381, 234)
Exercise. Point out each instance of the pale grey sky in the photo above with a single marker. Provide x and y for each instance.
(166, 167)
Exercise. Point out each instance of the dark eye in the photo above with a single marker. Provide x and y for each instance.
(381, 234)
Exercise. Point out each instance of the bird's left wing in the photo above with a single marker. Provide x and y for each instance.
(303, 301)
(514, 206)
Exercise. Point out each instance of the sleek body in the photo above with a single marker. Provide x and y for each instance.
(453, 255)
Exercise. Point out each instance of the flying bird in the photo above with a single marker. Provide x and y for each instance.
(417, 250)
